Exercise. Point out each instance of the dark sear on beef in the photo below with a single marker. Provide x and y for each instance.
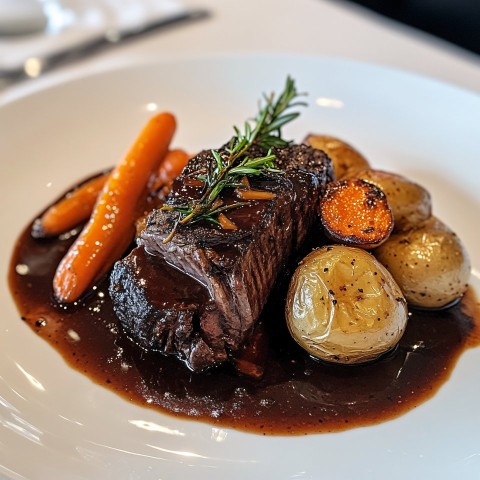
(205, 308)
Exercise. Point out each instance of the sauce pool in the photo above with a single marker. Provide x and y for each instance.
(297, 394)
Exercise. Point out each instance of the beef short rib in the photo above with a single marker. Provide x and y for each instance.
(232, 271)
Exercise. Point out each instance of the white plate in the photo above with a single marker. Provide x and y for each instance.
(55, 423)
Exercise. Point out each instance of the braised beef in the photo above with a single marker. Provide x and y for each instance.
(233, 271)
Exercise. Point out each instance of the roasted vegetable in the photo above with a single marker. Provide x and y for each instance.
(112, 223)
(170, 168)
(410, 203)
(345, 159)
(343, 306)
(429, 263)
(71, 210)
(356, 213)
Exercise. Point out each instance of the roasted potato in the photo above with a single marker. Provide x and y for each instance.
(411, 204)
(343, 306)
(345, 159)
(356, 213)
(429, 263)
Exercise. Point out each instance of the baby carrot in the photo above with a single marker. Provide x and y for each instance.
(114, 212)
(71, 210)
(170, 168)
(77, 205)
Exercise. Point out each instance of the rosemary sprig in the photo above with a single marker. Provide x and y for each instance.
(231, 165)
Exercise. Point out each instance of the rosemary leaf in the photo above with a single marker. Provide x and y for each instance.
(219, 160)
(227, 169)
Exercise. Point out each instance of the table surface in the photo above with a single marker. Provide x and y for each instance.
(318, 27)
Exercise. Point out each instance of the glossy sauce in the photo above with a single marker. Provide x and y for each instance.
(297, 394)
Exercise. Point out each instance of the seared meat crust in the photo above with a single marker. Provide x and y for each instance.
(235, 268)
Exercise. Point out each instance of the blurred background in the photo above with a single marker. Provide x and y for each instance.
(437, 38)
(457, 21)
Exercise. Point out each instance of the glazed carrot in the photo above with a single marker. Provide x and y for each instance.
(170, 168)
(245, 182)
(226, 223)
(77, 205)
(114, 214)
(119, 249)
(71, 210)
(356, 213)
(254, 194)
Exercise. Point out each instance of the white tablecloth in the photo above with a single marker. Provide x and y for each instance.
(320, 27)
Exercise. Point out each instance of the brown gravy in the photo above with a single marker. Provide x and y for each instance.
(297, 394)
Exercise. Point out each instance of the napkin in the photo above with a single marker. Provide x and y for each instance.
(73, 22)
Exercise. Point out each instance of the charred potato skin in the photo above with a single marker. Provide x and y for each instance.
(429, 263)
(411, 204)
(344, 307)
(346, 160)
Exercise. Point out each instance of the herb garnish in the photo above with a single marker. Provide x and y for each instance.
(234, 163)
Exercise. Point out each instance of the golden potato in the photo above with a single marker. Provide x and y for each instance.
(343, 306)
(429, 263)
(345, 159)
(411, 204)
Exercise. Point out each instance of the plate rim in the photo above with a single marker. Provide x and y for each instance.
(229, 57)
(56, 79)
